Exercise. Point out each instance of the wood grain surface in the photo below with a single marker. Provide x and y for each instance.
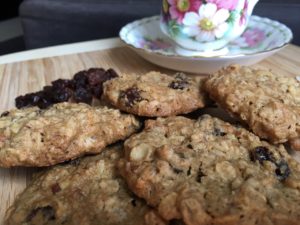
(28, 76)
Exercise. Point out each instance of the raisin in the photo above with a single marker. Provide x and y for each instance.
(57, 93)
(20, 102)
(47, 212)
(62, 84)
(39, 99)
(180, 82)
(200, 174)
(33, 99)
(44, 102)
(95, 76)
(97, 91)
(83, 95)
(133, 202)
(26, 100)
(177, 171)
(131, 96)
(42, 134)
(189, 171)
(261, 154)
(61, 95)
(190, 146)
(218, 132)
(55, 188)
(111, 73)
(282, 170)
(80, 79)
(6, 113)
(175, 222)
(46, 90)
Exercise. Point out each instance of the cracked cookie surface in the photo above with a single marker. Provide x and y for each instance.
(207, 171)
(34, 137)
(268, 103)
(86, 191)
(154, 94)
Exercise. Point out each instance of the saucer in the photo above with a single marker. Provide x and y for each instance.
(262, 38)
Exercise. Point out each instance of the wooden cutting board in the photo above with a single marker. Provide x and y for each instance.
(28, 76)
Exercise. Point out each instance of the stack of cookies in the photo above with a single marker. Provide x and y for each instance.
(138, 158)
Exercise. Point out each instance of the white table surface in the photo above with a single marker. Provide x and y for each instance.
(86, 46)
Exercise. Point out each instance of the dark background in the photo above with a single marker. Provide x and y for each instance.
(53, 22)
(9, 9)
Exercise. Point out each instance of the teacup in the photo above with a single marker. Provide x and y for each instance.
(205, 25)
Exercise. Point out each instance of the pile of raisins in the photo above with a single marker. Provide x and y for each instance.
(84, 86)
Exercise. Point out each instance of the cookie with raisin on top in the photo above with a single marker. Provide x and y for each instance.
(209, 172)
(87, 191)
(268, 103)
(64, 131)
(154, 94)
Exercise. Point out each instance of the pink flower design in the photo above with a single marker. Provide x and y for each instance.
(251, 38)
(244, 14)
(155, 44)
(225, 4)
(178, 8)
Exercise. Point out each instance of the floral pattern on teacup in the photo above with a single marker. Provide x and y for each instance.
(244, 14)
(251, 38)
(208, 24)
(227, 4)
(205, 20)
(153, 44)
(260, 35)
(178, 8)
